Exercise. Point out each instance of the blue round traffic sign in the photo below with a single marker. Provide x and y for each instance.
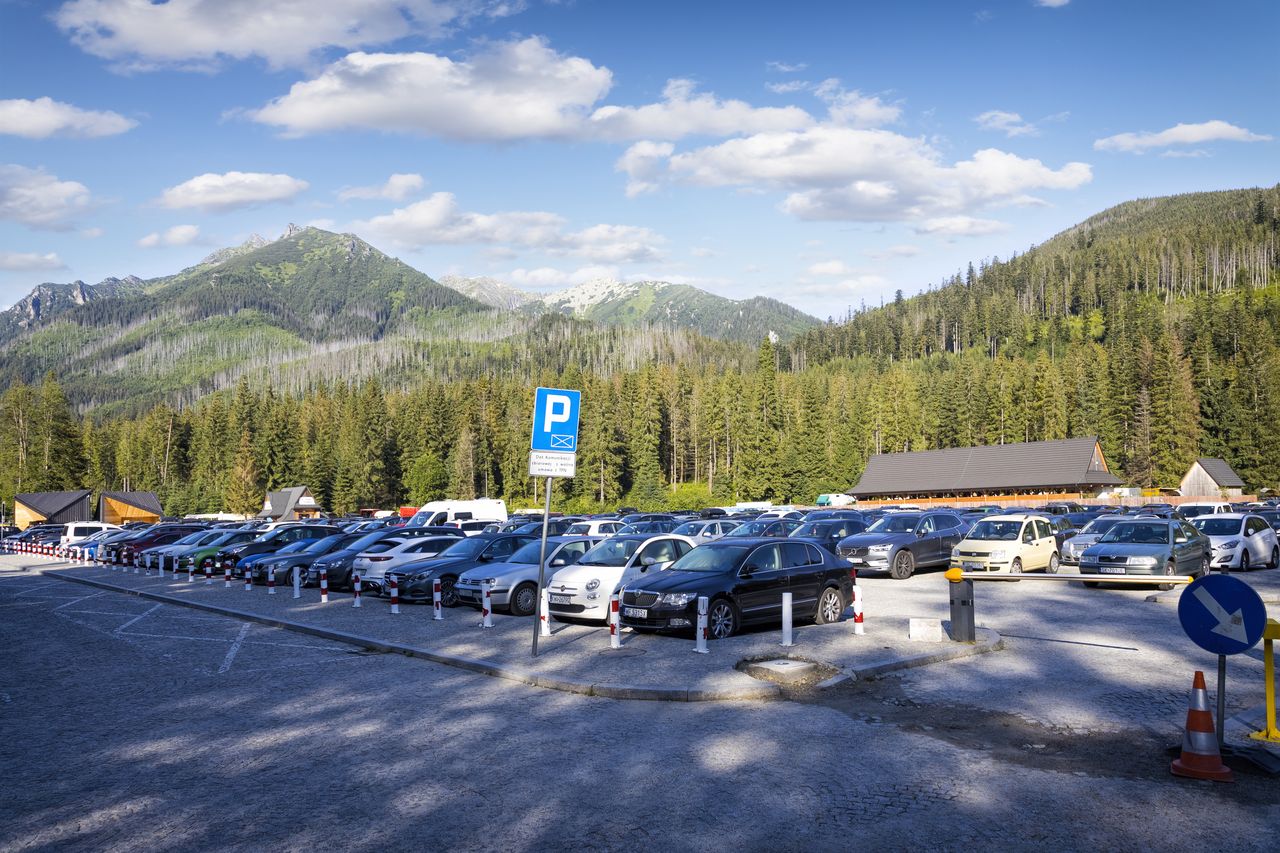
(1222, 614)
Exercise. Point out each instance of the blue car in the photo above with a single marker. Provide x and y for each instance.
(1166, 547)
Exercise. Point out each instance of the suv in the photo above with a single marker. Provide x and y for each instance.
(269, 543)
(901, 541)
(414, 580)
(162, 534)
(1008, 543)
(339, 565)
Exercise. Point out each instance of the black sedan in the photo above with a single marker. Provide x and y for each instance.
(743, 580)
(829, 532)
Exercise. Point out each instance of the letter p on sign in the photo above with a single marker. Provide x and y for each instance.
(558, 408)
(555, 420)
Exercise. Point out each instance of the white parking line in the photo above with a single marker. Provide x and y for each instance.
(235, 647)
(140, 616)
(80, 599)
(37, 588)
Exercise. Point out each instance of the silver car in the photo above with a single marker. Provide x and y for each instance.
(1240, 540)
(513, 584)
(705, 531)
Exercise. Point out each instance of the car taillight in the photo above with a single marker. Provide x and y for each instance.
(378, 559)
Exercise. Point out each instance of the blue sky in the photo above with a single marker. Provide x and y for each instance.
(823, 153)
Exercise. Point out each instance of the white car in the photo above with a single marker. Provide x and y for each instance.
(1239, 540)
(595, 527)
(513, 583)
(705, 531)
(78, 531)
(473, 526)
(372, 565)
(1190, 511)
(582, 591)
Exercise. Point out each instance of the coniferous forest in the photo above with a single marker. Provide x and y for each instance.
(1153, 325)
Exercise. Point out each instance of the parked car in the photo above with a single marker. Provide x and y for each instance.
(829, 533)
(338, 565)
(743, 580)
(705, 531)
(827, 514)
(594, 527)
(1239, 540)
(901, 542)
(77, 531)
(471, 526)
(1092, 532)
(583, 590)
(513, 583)
(373, 564)
(269, 543)
(1008, 543)
(651, 528)
(1190, 511)
(555, 526)
(198, 556)
(779, 528)
(414, 581)
(1270, 516)
(166, 556)
(161, 534)
(249, 566)
(1148, 546)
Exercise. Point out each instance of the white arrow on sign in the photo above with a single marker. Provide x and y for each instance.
(1229, 624)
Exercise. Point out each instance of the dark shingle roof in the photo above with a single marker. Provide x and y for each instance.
(1221, 473)
(142, 500)
(50, 504)
(280, 504)
(996, 467)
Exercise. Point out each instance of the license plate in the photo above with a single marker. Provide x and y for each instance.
(1110, 570)
(969, 564)
(561, 599)
(635, 613)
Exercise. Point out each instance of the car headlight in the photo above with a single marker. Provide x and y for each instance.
(490, 581)
(955, 553)
(593, 584)
(421, 576)
(880, 549)
(677, 599)
(998, 555)
(1142, 561)
(1230, 546)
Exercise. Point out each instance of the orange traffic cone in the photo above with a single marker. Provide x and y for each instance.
(1200, 756)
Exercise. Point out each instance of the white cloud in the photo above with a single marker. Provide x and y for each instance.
(45, 117)
(789, 87)
(644, 163)
(1052, 4)
(397, 188)
(1194, 153)
(684, 112)
(510, 90)
(902, 250)
(853, 109)
(1179, 134)
(960, 226)
(841, 173)
(232, 190)
(786, 67)
(143, 35)
(178, 235)
(1010, 124)
(830, 268)
(38, 199)
(27, 261)
(437, 220)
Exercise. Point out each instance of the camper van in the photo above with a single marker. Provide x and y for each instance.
(435, 513)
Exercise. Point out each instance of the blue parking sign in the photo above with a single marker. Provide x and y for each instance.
(1222, 614)
(555, 420)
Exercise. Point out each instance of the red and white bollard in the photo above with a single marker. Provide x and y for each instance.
(226, 576)
(297, 582)
(191, 570)
(271, 581)
(544, 628)
(700, 645)
(436, 602)
(208, 572)
(486, 607)
(355, 589)
(136, 567)
(324, 586)
(787, 641)
(248, 580)
(857, 611)
(395, 595)
(615, 638)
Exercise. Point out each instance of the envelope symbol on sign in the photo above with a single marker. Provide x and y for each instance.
(565, 442)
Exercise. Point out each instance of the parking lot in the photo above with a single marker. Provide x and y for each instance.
(138, 725)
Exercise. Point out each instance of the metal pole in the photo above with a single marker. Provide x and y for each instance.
(1222, 697)
(542, 564)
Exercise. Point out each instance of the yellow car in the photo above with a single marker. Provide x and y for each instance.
(1007, 543)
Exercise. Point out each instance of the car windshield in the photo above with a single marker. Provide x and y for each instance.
(1099, 526)
(810, 528)
(1211, 526)
(997, 531)
(294, 547)
(1138, 533)
(582, 528)
(1272, 518)
(528, 553)
(712, 559)
(192, 538)
(321, 546)
(466, 547)
(610, 552)
(384, 545)
(753, 528)
(895, 524)
(1193, 510)
(689, 528)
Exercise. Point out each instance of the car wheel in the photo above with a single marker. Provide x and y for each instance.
(448, 596)
(1244, 559)
(524, 600)
(1168, 572)
(830, 606)
(904, 565)
(722, 619)
(1275, 559)
(1204, 567)
(1052, 568)
(1016, 566)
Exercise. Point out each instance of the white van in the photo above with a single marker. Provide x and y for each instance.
(77, 531)
(435, 513)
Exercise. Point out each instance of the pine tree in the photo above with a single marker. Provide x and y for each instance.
(244, 492)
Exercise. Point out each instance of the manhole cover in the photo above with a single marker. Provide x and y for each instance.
(782, 670)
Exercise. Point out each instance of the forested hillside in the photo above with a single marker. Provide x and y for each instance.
(1153, 325)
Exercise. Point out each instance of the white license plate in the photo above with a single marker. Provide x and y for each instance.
(635, 613)
(1111, 570)
(969, 564)
(561, 599)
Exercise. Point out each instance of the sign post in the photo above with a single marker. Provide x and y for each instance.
(1223, 615)
(553, 452)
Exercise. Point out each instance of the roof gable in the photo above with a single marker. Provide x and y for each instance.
(142, 500)
(50, 504)
(1220, 472)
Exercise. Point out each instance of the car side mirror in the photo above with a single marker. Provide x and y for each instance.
(748, 570)
(1179, 540)
(484, 558)
(558, 561)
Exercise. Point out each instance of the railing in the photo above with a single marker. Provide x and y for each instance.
(1269, 635)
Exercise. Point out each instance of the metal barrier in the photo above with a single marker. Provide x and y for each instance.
(961, 582)
(1269, 635)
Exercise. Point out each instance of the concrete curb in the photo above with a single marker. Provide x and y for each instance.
(482, 667)
(988, 641)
